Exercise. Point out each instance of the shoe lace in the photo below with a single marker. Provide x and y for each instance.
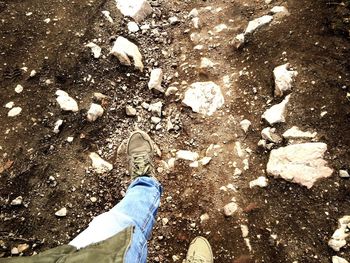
(141, 165)
(196, 259)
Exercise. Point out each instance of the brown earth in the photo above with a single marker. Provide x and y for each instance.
(315, 41)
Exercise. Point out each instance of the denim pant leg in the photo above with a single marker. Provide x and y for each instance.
(138, 208)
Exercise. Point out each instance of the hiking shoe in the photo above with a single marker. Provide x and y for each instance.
(140, 153)
(199, 251)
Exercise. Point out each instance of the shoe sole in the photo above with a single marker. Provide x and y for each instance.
(208, 245)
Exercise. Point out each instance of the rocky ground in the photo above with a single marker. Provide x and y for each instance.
(251, 117)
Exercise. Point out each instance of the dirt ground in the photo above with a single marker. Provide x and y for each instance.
(287, 222)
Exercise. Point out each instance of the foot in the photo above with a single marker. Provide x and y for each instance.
(140, 153)
(199, 251)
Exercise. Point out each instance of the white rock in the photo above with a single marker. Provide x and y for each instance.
(247, 242)
(276, 113)
(123, 49)
(19, 88)
(194, 164)
(173, 20)
(99, 96)
(230, 209)
(205, 160)
(238, 41)
(66, 102)
(155, 120)
(245, 125)
(187, 155)
(344, 174)
(204, 97)
(338, 239)
(169, 124)
(95, 49)
(261, 182)
(220, 28)
(145, 27)
(296, 133)
(137, 9)
(9, 105)
(269, 134)
(165, 221)
(196, 22)
(58, 124)
(245, 231)
(237, 172)
(175, 258)
(204, 217)
(130, 111)
(70, 139)
(206, 63)
(62, 212)
(323, 113)
(198, 47)
(300, 163)
(194, 13)
(100, 165)
(280, 10)
(93, 199)
(246, 164)
(14, 251)
(156, 108)
(238, 150)
(14, 112)
(107, 15)
(257, 23)
(145, 105)
(262, 143)
(156, 79)
(47, 20)
(283, 79)
(336, 259)
(17, 201)
(32, 73)
(268, 2)
(94, 112)
(133, 27)
(171, 91)
(171, 163)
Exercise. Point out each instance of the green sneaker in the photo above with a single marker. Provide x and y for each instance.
(140, 153)
(199, 251)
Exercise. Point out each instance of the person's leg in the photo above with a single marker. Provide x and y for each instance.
(138, 208)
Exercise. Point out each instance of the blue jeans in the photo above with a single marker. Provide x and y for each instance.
(138, 208)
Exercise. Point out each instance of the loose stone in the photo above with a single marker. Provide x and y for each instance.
(123, 49)
(94, 112)
(130, 111)
(66, 102)
(230, 209)
(62, 212)
(14, 112)
(95, 49)
(156, 79)
(204, 97)
(299, 163)
(137, 9)
(276, 113)
(100, 165)
(187, 155)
